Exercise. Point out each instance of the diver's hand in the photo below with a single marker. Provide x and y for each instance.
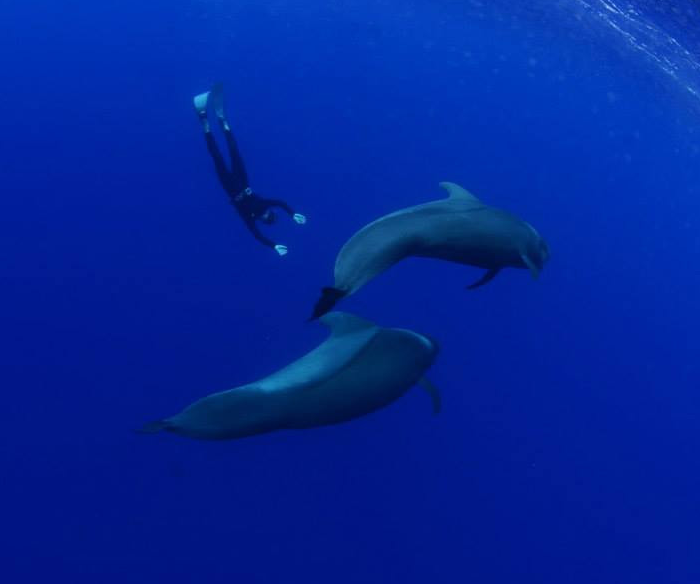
(281, 249)
(299, 218)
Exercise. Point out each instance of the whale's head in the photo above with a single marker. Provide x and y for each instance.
(431, 344)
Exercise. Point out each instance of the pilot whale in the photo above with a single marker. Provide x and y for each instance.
(359, 368)
(458, 229)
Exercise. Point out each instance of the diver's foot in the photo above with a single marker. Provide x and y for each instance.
(299, 218)
(281, 249)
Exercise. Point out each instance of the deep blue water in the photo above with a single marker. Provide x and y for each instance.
(567, 449)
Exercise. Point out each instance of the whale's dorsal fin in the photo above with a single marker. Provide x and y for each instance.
(454, 191)
(343, 323)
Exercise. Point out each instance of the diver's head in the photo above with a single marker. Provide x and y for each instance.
(268, 217)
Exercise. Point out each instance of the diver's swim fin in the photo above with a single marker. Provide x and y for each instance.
(485, 279)
(200, 103)
(217, 100)
(329, 297)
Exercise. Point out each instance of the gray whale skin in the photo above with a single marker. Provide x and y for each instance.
(458, 229)
(359, 368)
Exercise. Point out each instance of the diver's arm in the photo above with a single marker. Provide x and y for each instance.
(281, 204)
(298, 217)
(253, 227)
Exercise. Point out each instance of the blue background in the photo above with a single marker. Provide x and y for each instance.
(567, 448)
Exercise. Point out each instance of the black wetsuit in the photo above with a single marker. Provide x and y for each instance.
(251, 206)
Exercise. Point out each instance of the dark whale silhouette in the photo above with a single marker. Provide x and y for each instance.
(458, 229)
(360, 368)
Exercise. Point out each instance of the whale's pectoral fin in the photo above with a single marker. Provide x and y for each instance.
(433, 392)
(485, 279)
(454, 191)
(329, 297)
(534, 270)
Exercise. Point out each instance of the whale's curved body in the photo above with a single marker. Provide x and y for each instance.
(360, 368)
(459, 229)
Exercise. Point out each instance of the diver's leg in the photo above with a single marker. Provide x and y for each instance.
(221, 171)
(200, 105)
(238, 171)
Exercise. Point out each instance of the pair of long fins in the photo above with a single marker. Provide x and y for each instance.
(215, 97)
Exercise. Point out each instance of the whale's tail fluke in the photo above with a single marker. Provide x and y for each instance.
(329, 298)
(153, 427)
